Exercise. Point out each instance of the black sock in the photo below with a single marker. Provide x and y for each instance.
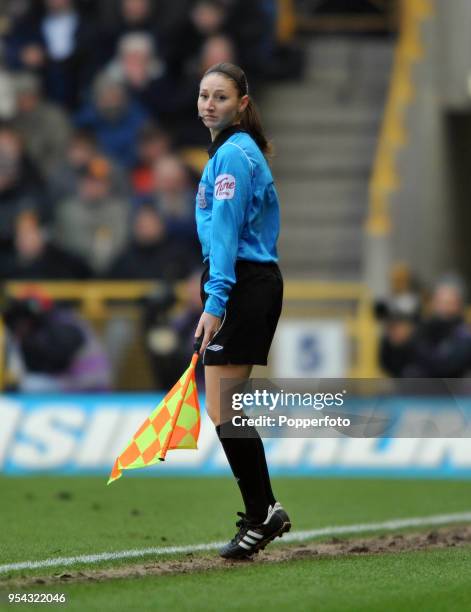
(262, 462)
(246, 456)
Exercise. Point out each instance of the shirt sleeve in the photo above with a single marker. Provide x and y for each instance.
(232, 194)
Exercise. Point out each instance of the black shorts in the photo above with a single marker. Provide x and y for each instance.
(251, 316)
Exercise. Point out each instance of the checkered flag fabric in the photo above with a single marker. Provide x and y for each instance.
(175, 423)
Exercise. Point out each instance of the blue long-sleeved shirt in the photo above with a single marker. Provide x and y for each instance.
(237, 212)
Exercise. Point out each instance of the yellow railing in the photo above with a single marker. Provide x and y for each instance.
(393, 136)
(287, 21)
(99, 301)
(93, 297)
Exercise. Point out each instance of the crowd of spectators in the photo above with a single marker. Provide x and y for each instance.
(97, 105)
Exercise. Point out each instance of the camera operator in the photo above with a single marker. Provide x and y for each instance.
(53, 349)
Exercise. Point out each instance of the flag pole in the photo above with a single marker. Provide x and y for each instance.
(194, 361)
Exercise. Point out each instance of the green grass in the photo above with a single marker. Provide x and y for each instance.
(433, 581)
(57, 516)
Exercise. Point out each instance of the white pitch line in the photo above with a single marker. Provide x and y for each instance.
(296, 536)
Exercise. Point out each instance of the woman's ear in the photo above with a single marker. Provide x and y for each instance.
(244, 102)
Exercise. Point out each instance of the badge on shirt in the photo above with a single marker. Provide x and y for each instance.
(224, 187)
(202, 196)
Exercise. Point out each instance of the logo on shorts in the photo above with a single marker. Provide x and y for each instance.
(201, 197)
(215, 347)
(224, 188)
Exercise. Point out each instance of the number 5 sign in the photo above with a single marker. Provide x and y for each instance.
(310, 349)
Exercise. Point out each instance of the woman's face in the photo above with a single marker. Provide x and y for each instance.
(219, 103)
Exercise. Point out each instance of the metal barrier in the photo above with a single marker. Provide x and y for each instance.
(100, 301)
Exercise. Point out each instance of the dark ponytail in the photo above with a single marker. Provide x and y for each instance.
(250, 120)
(252, 123)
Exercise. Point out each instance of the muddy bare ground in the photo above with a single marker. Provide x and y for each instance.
(335, 547)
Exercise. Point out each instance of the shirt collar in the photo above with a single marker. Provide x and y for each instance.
(222, 137)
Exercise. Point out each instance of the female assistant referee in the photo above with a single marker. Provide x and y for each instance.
(237, 216)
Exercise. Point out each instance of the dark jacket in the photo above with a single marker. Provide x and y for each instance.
(439, 349)
(64, 79)
(116, 138)
(18, 197)
(52, 264)
(167, 259)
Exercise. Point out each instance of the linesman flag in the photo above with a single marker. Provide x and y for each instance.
(175, 423)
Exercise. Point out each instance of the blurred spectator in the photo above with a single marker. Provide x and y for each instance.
(153, 143)
(142, 72)
(165, 97)
(20, 186)
(439, 347)
(175, 196)
(23, 42)
(13, 147)
(253, 25)
(115, 119)
(406, 298)
(81, 149)
(170, 337)
(444, 340)
(94, 224)
(206, 18)
(138, 15)
(35, 256)
(250, 25)
(44, 127)
(400, 316)
(153, 254)
(55, 42)
(142, 16)
(55, 350)
(216, 50)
